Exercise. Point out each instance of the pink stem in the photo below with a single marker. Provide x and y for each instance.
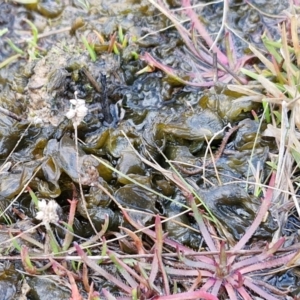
(230, 291)
(258, 290)
(260, 216)
(208, 284)
(202, 31)
(188, 296)
(260, 257)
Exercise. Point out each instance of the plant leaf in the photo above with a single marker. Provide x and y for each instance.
(270, 87)
(263, 59)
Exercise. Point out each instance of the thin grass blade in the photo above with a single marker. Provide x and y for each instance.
(263, 59)
(258, 258)
(124, 270)
(159, 247)
(260, 216)
(189, 296)
(101, 271)
(259, 291)
(202, 31)
(230, 291)
(203, 229)
(295, 38)
(108, 295)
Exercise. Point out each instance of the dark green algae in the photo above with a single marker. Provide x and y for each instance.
(56, 158)
(49, 150)
(159, 113)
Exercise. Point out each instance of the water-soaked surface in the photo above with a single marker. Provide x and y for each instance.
(155, 112)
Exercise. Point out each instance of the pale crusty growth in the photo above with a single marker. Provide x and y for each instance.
(47, 85)
(77, 111)
(47, 211)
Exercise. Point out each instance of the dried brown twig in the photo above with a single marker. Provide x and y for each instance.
(10, 114)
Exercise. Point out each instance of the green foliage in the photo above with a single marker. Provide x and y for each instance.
(266, 111)
(296, 156)
(32, 49)
(9, 60)
(84, 4)
(90, 49)
(26, 1)
(15, 242)
(121, 34)
(14, 47)
(3, 31)
(53, 242)
(34, 198)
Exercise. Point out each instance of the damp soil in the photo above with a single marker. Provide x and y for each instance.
(149, 113)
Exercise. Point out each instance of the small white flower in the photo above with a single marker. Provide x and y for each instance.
(47, 211)
(77, 111)
(35, 120)
(71, 113)
(74, 101)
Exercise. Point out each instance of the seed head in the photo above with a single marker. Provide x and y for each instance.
(77, 111)
(47, 211)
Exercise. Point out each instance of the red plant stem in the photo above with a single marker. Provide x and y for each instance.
(188, 273)
(261, 213)
(93, 265)
(154, 270)
(270, 287)
(202, 31)
(230, 291)
(69, 235)
(260, 257)
(225, 141)
(279, 261)
(258, 290)
(137, 241)
(250, 231)
(152, 235)
(171, 72)
(10, 114)
(240, 289)
(127, 278)
(216, 287)
(187, 252)
(188, 296)
(196, 282)
(128, 269)
(208, 265)
(26, 261)
(158, 251)
(184, 33)
(163, 272)
(208, 284)
(217, 155)
(75, 292)
(203, 229)
(85, 278)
